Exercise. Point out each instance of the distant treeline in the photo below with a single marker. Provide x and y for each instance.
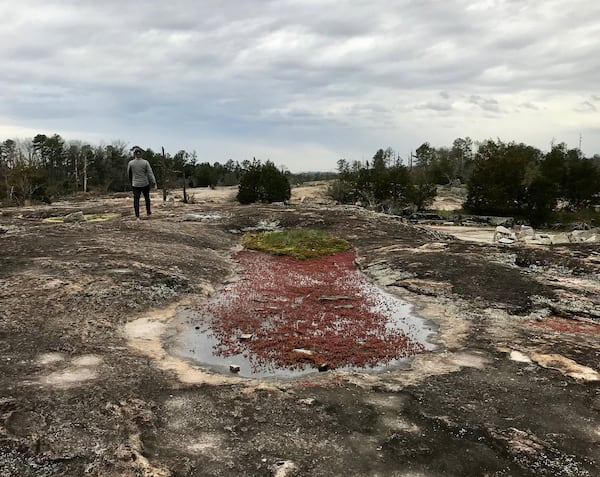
(502, 179)
(48, 167)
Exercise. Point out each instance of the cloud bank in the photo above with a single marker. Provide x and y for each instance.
(301, 82)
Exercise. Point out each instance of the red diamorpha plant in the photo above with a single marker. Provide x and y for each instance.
(568, 326)
(319, 312)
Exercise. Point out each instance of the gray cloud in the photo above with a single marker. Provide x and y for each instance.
(529, 105)
(283, 71)
(486, 104)
(586, 107)
(435, 106)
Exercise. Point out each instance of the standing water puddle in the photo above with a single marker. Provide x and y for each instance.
(285, 318)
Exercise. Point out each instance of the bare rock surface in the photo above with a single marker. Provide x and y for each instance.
(88, 388)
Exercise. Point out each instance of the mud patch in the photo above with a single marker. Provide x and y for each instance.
(145, 335)
(566, 366)
(49, 358)
(77, 372)
(557, 362)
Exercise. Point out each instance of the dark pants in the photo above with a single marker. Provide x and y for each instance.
(137, 191)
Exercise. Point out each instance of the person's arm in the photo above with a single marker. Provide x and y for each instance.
(129, 173)
(151, 175)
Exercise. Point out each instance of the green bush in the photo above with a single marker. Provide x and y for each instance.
(263, 183)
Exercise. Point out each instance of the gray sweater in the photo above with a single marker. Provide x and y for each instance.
(140, 173)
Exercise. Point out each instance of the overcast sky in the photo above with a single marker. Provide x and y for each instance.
(301, 82)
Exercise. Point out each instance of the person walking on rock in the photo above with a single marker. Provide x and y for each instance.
(141, 177)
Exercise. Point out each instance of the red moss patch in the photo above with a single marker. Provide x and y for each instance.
(319, 312)
(567, 326)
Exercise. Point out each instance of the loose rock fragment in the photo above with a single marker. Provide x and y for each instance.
(284, 468)
(307, 352)
(307, 401)
(335, 298)
(75, 217)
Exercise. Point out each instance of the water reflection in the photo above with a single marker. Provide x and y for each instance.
(287, 318)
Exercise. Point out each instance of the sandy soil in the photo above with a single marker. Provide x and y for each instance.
(315, 192)
(87, 386)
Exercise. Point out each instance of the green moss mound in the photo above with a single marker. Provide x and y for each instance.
(298, 243)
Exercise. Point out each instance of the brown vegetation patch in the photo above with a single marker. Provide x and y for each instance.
(568, 325)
